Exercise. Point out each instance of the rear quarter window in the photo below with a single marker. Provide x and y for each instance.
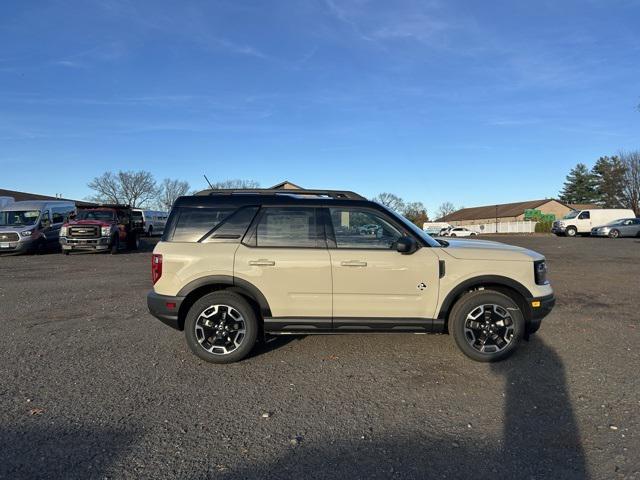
(190, 224)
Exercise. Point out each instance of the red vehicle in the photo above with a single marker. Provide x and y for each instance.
(106, 227)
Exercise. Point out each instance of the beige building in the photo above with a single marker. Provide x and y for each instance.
(506, 212)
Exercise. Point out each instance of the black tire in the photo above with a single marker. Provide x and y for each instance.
(236, 302)
(614, 233)
(150, 231)
(453, 235)
(473, 301)
(66, 252)
(473, 234)
(115, 244)
(571, 231)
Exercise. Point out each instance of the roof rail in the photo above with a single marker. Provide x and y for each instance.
(337, 194)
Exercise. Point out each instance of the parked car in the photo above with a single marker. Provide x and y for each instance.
(626, 227)
(106, 228)
(32, 226)
(233, 265)
(581, 222)
(153, 221)
(459, 232)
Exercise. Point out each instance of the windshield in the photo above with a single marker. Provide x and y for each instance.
(102, 215)
(572, 214)
(19, 218)
(417, 231)
(617, 222)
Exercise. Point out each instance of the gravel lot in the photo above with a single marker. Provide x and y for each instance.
(91, 386)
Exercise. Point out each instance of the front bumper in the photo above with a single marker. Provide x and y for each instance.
(601, 233)
(24, 245)
(165, 308)
(539, 308)
(68, 243)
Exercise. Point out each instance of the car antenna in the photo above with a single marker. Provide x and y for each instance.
(205, 177)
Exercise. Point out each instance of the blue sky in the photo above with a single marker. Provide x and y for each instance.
(469, 102)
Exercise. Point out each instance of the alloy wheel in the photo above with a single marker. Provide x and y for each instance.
(220, 329)
(489, 328)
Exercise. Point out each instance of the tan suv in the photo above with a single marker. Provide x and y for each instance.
(234, 266)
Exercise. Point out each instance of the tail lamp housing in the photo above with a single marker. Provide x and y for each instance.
(156, 267)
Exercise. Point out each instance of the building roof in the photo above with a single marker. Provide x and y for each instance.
(286, 185)
(495, 211)
(23, 196)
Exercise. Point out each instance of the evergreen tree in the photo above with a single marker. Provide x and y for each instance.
(580, 186)
(609, 179)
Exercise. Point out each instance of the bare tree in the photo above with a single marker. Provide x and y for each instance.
(235, 183)
(170, 190)
(631, 187)
(133, 188)
(107, 188)
(416, 212)
(445, 208)
(390, 200)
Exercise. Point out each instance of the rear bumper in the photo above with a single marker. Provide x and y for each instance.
(165, 308)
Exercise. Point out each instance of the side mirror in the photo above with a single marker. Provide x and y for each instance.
(406, 245)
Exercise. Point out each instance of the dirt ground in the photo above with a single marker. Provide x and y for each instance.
(92, 386)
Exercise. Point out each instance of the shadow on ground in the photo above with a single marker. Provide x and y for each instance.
(540, 438)
(43, 451)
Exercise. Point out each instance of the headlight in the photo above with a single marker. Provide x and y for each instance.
(63, 231)
(540, 272)
(562, 224)
(105, 231)
(26, 233)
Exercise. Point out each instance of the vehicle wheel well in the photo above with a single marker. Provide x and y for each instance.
(496, 287)
(199, 292)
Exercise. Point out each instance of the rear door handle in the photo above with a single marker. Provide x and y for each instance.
(262, 263)
(353, 263)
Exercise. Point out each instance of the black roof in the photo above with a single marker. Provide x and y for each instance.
(236, 198)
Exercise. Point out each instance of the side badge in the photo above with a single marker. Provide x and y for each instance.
(422, 286)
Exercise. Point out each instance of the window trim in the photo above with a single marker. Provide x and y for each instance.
(332, 244)
(208, 237)
(250, 239)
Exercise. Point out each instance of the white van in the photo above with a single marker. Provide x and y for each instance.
(434, 228)
(582, 221)
(153, 221)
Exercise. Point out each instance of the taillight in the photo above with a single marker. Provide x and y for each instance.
(156, 267)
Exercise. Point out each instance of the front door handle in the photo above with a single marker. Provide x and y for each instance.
(353, 263)
(262, 263)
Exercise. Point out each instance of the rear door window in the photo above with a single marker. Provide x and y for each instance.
(288, 227)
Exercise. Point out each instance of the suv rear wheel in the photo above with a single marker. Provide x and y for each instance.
(486, 325)
(221, 327)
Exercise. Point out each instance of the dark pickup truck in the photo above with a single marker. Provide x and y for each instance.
(105, 227)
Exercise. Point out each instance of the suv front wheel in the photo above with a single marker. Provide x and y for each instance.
(221, 327)
(486, 325)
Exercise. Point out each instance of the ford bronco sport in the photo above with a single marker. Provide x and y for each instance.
(235, 265)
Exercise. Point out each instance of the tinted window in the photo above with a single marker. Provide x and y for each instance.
(61, 214)
(287, 227)
(234, 227)
(584, 215)
(362, 229)
(193, 223)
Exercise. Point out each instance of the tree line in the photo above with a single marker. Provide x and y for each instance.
(140, 189)
(613, 182)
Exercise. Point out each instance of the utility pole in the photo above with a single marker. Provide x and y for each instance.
(496, 218)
